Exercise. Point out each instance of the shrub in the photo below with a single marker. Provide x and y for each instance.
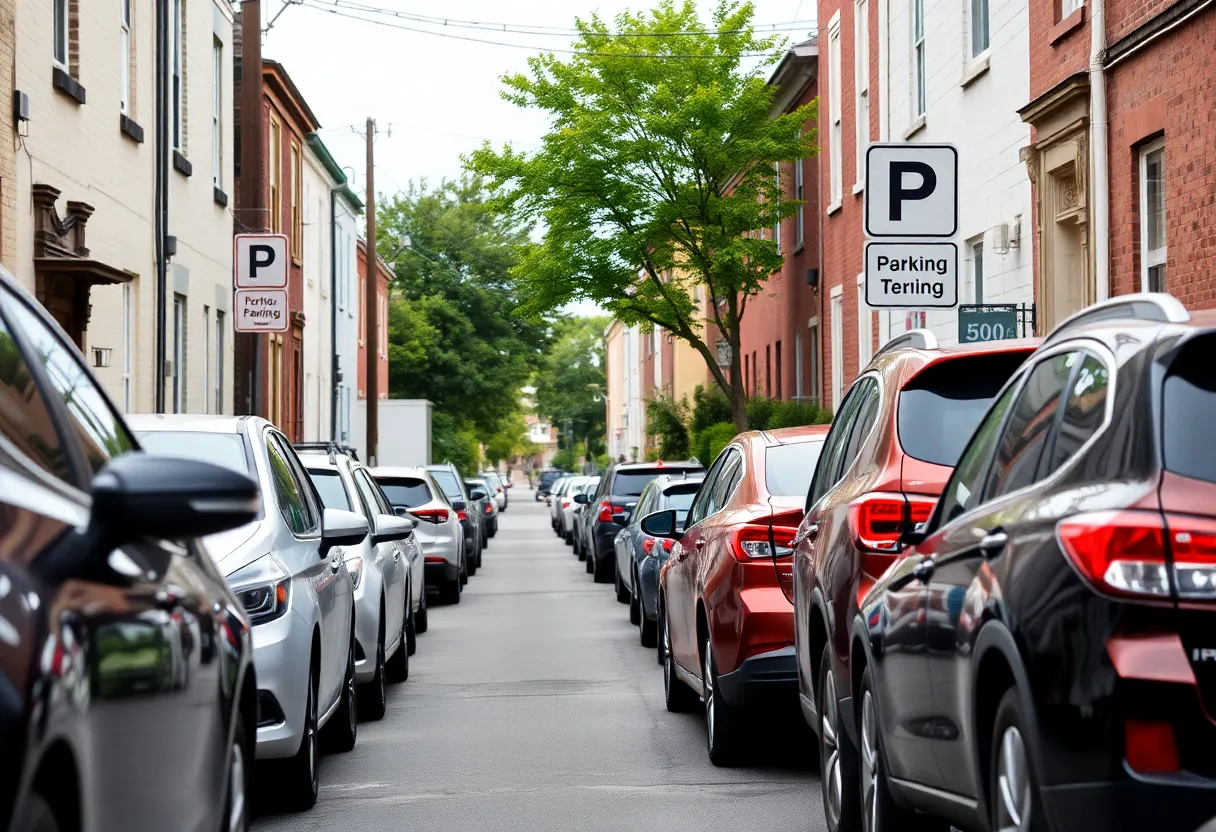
(565, 460)
(709, 407)
(708, 443)
(667, 419)
(797, 414)
(760, 413)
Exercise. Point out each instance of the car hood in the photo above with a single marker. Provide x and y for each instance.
(239, 547)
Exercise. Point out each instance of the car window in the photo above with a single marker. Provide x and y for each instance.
(1020, 448)
(406, 491)
(630, 483)
(867, 415)
(644, 503)
(329, 485)
(288, 493)
(827, 471)
(372, 495)
(732, 472)
(449, 483)
(701, 504)
(1084, 412)
(312, 501)
(962, 491)
(1188, 429)
(678, 497)
(225, 449)
(96, 424)
(788, 468)
(940, 408)
(25, 418)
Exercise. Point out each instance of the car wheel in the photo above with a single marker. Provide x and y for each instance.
(36, 816)
(648, 632)
(837, 771)
(635, 603)
(622, 591)
(373, 695)
(1014, 802)
(660, 638)
(398, 667)
(680, 698)
(411, 623)
(236, 801)
(471, 564)
(603, 568)
(591, 560)
(420, 620)
(298, 780)
(465, 572)
(722, 733)
(342, 730)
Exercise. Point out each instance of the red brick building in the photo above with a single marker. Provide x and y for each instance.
(1159, 137)
(384, 277)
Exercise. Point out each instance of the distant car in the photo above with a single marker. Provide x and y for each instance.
(413, 492)
(453, 486)
(288, 567)
(500, 484)
(387, 570)
(128, 697)
(640, 556)
(544, 483)
(554, 500)
(580, 485)
(618, 492)
(481, 494)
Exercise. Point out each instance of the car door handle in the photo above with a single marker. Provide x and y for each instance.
(993, 543)
(812, 530)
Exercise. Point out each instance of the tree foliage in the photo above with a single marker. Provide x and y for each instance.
(667, 419)
(657, 174)
(570, 383)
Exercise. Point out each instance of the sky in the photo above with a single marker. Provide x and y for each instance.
(435, 97)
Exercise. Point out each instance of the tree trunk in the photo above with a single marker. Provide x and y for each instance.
(737, 392)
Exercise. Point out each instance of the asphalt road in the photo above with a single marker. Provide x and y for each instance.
(530, 706)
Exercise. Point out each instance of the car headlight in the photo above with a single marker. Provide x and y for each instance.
(263, 587)
(355, 565)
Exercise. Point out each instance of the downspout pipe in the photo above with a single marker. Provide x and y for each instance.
(1099, 150)
(161, 209)
(335, 367)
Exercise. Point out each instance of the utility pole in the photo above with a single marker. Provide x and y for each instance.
(371, 302)
(252, 214)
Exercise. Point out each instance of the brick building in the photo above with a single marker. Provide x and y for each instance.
(1111, 192)
(384, 277)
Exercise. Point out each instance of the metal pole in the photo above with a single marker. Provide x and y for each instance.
(162, 199)
(253, 215)
(371, 300)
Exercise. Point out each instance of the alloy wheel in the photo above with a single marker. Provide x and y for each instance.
(869, 764)
(352, 699)
(1013, 782)
(666, 651)
(237, 818)
(829, 741)
(310, 736)
(708, 684)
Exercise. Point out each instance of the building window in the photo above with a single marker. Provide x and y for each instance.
(816, 347)
(768, 371)
(918, 48)
(178, 90)
(777, 368)
(297, 215)
(747, 385)
(362, 316)
(973, 291)
(1152, 217)
(124, 49)
(220, 338)
(275, 393)
(865, 330)
(276, 176)
(979, 27)
(915, 320)
(60, 33)
(755, 375)
(179, 353)
(861, 104)
(382, 326)
(206, 358)
(835, 162)
(128, 343)
(837, 324)
(797, 365)
(217, 115)
(1067, 7)
(800, 218)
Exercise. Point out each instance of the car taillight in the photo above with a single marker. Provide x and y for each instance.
(877, 520)
(565, 504)
(489, 509)
(607, 510)
(462, 515)
(432, 515)
(649, 543)
(1124, 553)
(753, 542)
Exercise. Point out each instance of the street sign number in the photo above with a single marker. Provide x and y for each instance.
(991, 322)
(911, 190)
(921, 275)
(261, 311)
(260, 261)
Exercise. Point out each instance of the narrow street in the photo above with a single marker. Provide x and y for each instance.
(531, 706)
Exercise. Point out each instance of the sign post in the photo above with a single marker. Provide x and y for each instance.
(260, 280)
(911, 218)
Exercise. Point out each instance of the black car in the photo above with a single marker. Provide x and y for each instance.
(1045, 651)
(548, 476)
(618, 491)
(127, 693)
(454, 489)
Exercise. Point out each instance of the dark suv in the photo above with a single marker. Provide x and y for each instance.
(545, 481)
(617, 494)
(1046, 649)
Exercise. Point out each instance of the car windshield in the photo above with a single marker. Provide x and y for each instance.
(448, 482)
(941, 407)
(630, 483)
(548, 477)
(1187, 427)
(226, 449)
(329, 486)
(406, 491)
(788, 469)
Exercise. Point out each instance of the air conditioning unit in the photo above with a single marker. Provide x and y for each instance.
(998, 238)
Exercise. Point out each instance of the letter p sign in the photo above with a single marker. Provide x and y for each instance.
(911, 190)
(260, 261)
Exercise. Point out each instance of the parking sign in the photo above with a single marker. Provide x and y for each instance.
(911, 190)
(260, 261)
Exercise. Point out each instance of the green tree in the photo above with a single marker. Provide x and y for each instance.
(509, 440)
(570, 383)
(657, 174)
(668, 419)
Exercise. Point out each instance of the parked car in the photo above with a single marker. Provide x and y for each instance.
(482, 496)
(726, 617)
(288, 567)
(387, 572)
(618, 491)
(563, 506)
(894, 441)
(500, 485)
(640, 556)
(1067, 576)
(554, 500)
(545, 482)
(413, 492)
(125, 662)
(453, 486)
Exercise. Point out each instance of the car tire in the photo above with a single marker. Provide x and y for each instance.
(590, 562)
(471, 564)
(1012, 770)
(723, 722)
(622, 591)
(298, 780)
(635, 603)
(420, 618)
(648, 632)
(237, 799)
(603, 569)
(465, 571)
(342, 730)
(373, 695)
(837, 766)
(36, 816)
(397, 669)
(411, 624)
(679, 697)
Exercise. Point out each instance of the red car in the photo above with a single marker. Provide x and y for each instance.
(726, 617)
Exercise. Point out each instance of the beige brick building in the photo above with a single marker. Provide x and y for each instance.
(8, 138)
(84, 208)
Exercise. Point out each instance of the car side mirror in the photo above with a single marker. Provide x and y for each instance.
(913, 537)
(401, 511)
(582, 499)
(341, 528)
(660, 524)
(138, 495)
(389, 528)
(459, 505)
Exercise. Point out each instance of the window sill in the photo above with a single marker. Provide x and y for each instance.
(181, 164)
(221, 198)
(833, 208)
(68, 85)
(916, 127)
(1066, 26)
(130, 129)
(975, 70)
(858, 188)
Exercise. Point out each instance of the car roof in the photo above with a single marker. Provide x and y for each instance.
(398, 471)
(186, 422)
(677, 465)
